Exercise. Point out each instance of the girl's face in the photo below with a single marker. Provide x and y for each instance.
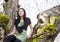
(21, 12)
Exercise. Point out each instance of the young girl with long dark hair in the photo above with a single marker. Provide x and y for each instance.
(19, 33)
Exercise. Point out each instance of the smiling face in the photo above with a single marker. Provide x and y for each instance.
(21, 12)
(1, 34)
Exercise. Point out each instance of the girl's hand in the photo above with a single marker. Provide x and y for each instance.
(13, 31)
(10, 34)
(28, 36)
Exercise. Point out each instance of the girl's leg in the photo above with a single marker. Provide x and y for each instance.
(10, 38)
(17, 40)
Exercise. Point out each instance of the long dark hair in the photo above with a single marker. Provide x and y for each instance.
(18, 20)
(18, 17)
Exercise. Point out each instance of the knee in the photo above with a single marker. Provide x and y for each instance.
(9, 38)
(17, 40)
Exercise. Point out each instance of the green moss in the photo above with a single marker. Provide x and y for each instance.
(48, 29)
(4, 19)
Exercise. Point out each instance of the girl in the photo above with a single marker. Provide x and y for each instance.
(19, 33)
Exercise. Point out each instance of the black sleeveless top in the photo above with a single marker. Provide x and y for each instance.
(27, 22)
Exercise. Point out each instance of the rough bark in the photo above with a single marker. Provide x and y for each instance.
(11, 8)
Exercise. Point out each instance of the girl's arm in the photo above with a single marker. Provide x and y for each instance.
(31, 29)
(29, 35)
(13, 31)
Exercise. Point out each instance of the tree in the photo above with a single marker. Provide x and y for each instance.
(10, 8)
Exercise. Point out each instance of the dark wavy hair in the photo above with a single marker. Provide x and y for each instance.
(18, 13)
(18, 20)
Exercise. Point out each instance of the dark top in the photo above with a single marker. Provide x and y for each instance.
(27, 22)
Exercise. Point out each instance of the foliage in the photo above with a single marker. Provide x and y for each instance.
(46, 31)
(4, 19)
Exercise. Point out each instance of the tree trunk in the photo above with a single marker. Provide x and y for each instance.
(11, 10)
(2, 31)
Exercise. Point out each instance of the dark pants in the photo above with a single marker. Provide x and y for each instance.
(11, 38)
